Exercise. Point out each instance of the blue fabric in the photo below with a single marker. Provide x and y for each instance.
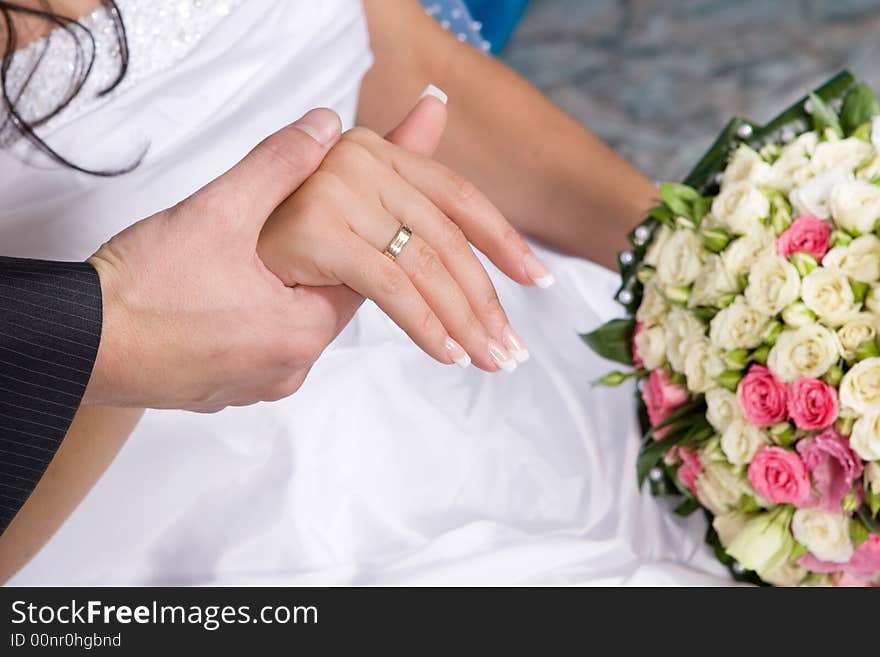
(499, 19)
(486, 24)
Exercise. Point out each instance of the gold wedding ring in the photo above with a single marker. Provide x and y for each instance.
(392, 251)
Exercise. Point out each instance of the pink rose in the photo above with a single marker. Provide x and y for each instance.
(691, 467)
(805, 235)
(763, 397)
(662, 397)
(635, 349)
(862, 566)
(833, 466)
(812, 404)
(779, 476)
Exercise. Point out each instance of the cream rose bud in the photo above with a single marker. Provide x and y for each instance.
(741, 207)
(865, 437)
(741, 440)
(872, 300)
(860, 387)
(658, 241)
(797, 315)
(681, 328)
(681, 258)
(872, 477)
(846, 153)
(702, 364)
(720, 487)
(824, 534)
(827, 293)
(742, 253)
(746, 166)
(651, 345)
(785, 573)
(713, 283)
(855, 206)
(860, 259)
(861, 328)
(727, 526)
(774, 283)
(722, 409)
(814, 196)
(739, 326)
(807, 351)
(792, 168)
(653, 307)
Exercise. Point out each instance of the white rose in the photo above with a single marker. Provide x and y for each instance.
(846, 153)
(807, 351)
(870, 171)
(792, 168)
(827, 293)
(859, 329)
(814, 196)
(785, 573)
(872, 477)
(651, 345)
(860, 387)
(860, 259)
(855, 206)
(653, 307)
(720, 487)
(741, 207)
(681, 328)
(727, 526)
(774, 283)
(739, 326)
(865, 437)
(702, 364)
(746, 166)
(872, 300)
(741, 441)
(712, 284)
(681, 258)
(875, 132)
(723, 409)
(824, 534)
(658, 241)
(741, 253)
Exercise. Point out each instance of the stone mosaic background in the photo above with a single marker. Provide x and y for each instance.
(658, 79)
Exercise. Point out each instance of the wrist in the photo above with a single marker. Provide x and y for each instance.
(109, 384)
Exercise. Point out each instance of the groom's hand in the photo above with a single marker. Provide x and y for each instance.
(192, 317)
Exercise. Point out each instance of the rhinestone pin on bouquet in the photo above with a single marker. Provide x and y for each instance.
(753, 329)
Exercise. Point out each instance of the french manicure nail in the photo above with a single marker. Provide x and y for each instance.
(436, 92)
(515, 345)
(500, 357)
(536, 271)
(322, 125)
(457, 353)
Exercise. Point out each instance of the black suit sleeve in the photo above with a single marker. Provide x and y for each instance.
(50, 327)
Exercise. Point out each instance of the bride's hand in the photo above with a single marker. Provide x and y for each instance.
(334, 230)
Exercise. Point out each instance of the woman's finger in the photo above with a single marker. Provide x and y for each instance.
(411, 208)
(365, 270)
(420, 132)
(468, 207)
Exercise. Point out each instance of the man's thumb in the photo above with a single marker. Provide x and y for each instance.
(420, 132)
(278, 165)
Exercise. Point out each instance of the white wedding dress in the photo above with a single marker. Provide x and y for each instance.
(386, 468)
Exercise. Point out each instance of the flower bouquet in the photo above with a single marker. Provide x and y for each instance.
(753, 301)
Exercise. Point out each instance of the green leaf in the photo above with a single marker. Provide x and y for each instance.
(679, 198)
(688, 506)
(858, 533)
(859, 107)
(824, 117)
(613, 340)
(662, 213)
(868, 519)
(747, 504)
(701, 208)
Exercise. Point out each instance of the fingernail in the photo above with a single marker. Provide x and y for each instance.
(323, 125)
(536, 270)
(500, 357)
(436, 92)
(515, 345)
(457, 354)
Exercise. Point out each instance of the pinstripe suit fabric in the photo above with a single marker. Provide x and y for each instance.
(50, 327)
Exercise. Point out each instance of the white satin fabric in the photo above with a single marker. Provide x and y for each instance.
(386, 468)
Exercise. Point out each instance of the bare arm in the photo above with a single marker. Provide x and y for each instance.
(551, 177)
